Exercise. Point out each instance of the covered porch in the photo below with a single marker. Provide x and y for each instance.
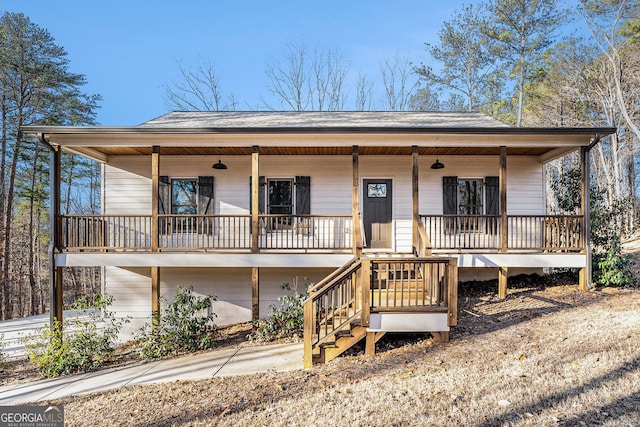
(428, 229)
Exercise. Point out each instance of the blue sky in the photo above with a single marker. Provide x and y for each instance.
(128, 50)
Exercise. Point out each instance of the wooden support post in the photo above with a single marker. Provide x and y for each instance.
(307, 336)
(155, 185)
(415, 183)
(441, 337)
(364, 279)
(502, 282)
(155, 294)
(504, 232)
(255, 293)
(585, 273)
(452, 297)
(255, 200)
(355, 205)
(370, 344)
(57, 296)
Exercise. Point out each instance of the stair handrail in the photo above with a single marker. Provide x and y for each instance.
(423, 244)
(321, 284)
(316, 293)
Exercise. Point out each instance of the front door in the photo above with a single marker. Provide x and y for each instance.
(377, 213)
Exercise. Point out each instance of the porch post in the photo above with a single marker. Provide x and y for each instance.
(415, 196)
(255, 293)
(255, 188)
(155, 183)
(155, 234)
(355, 206)
(503, 200)
(56, 273)
(155, 294)
(585, 276)
(504, 232)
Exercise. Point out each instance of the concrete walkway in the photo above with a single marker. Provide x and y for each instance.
(241, 360)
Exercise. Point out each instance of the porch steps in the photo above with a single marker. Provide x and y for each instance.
(344, 340)
(370, 297)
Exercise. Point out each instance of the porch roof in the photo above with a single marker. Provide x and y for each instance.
(318, 133)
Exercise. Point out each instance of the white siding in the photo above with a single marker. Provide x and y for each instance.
(126, 192)
(524, 181)
(131, 289)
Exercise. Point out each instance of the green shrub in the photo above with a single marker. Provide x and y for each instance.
(286, 321)
(181, 326)
(612, 267)
(77, 345)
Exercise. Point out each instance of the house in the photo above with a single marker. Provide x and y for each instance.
(382, 211)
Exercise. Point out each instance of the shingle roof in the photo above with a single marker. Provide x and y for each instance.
(317, 119)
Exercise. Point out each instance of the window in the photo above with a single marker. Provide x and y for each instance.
(283, 196)
(184, 196)
(280, 196)
(470, 197)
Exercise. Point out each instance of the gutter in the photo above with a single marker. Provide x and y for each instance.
(596, 139)
(53, 228)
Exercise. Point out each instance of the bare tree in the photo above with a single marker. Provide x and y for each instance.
(197, 89)
(606, 21)
(364, 93)
(399, 82)
(303, 81)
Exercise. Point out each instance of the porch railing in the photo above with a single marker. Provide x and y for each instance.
(420, 284)
(103, 232)
(206, 232)
(553, 233)
(309, 232)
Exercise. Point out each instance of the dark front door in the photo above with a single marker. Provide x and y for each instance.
(377, 213)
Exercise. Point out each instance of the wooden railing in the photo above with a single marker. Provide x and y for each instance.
(423, 245)
(309, 232)
(350, 294)
(204, 232)
(414, 284)
(332, 305)
(104, 232)
(553, 233)
(317, 233)
(463, 231)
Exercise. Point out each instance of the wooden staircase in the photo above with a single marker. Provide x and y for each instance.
(400, 294)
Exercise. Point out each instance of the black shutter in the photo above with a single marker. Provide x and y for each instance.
(164, 195)
(450, 195)
(492, 203)
(492, 195)
(205, 195)
(303, 195)
(450, 202)
(261, 205)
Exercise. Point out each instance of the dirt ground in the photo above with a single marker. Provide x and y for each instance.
(547, 355)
